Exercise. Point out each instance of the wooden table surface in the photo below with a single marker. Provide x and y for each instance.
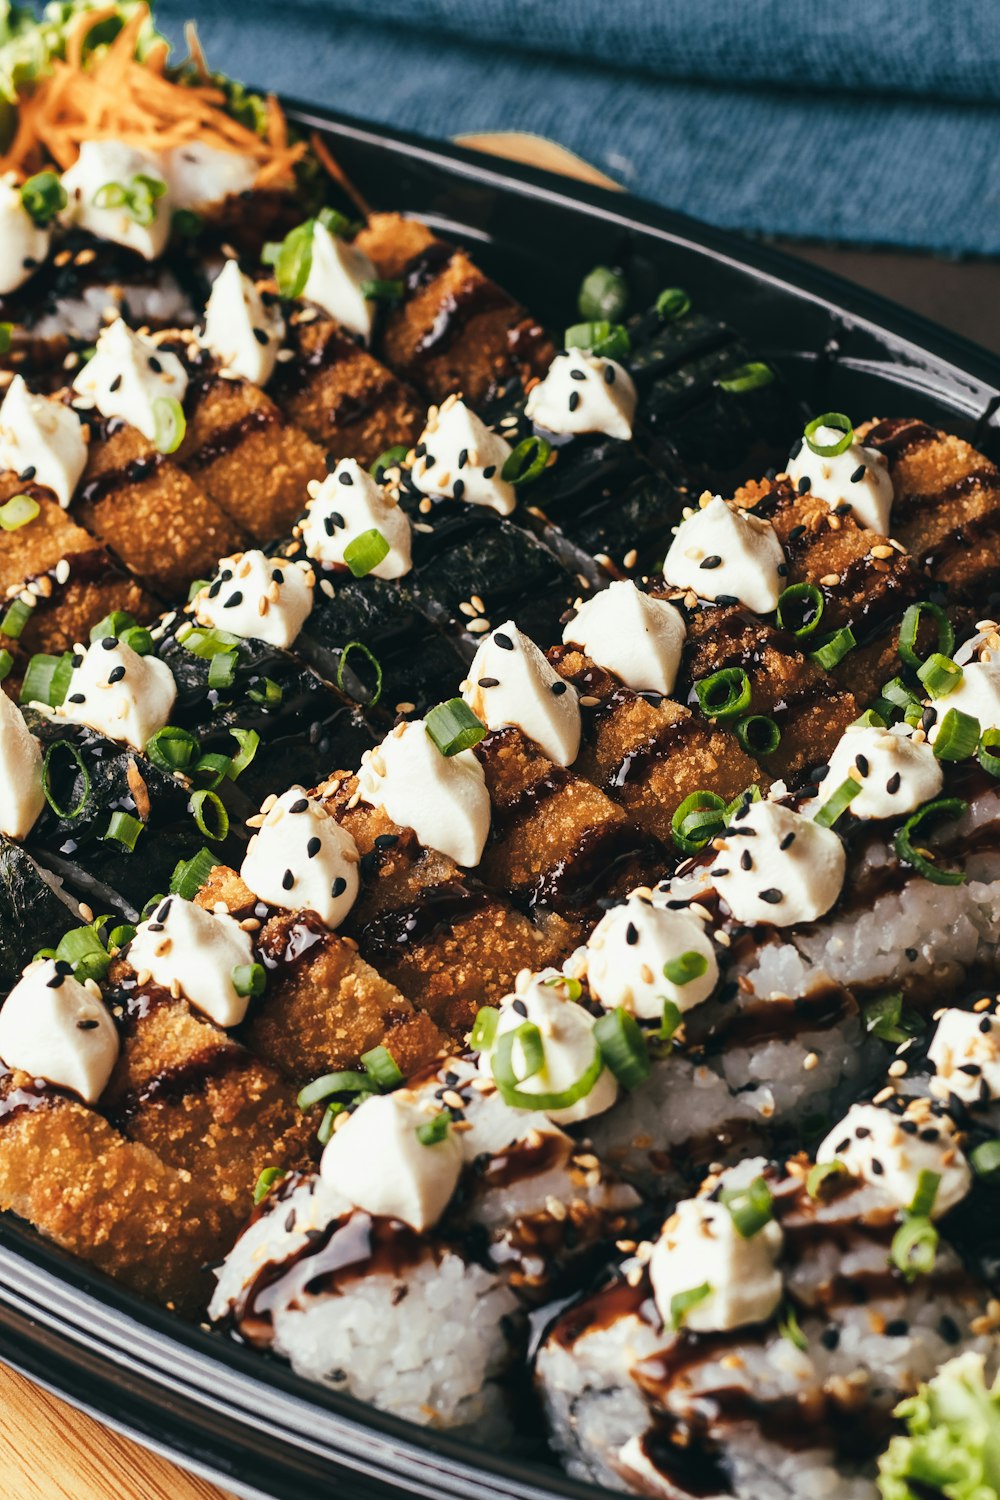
(48, 1451)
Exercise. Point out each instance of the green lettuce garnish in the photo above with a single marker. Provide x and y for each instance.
(952, 1442)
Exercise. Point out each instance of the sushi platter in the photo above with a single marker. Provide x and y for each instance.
(499, 818)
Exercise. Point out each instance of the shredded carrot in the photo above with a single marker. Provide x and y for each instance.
(340, 177)
(110, 95)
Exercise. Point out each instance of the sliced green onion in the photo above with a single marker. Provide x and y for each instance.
(684, 968)
(939, 675)
(790, 1328)
(923, 1199)
(957, 736)
(120, 936)
(172, 749)
(67, 747)
(697, 820)
(191, 874)
(914, 1248)
(196, 587)
(249, 742)
(822, 1174)
(208, 643)
(454, 727)
(373, 659)
(837, 803)
(382, 291)
(139, 640)
(833, 650)
(43, 196)
(758, 734)
(18, 511)
(382, 1068)
(672, 1021)
(526, 461)
(270, 693)
(185, 224)
(681, 1303)
(839, 423)
(46, 679)
(365, 552)
(266, 1181)
(6, 337)
(885, 1017)
(222, 669)
(170, 424)
(985, 1158)
(82, 947)
(337, 223)
(116, 623)
(803, 602)
(17, 616)
(211, 770)
(151, 905)
(249, 979)
(508, 1081)
(6, 663)
(673, 304)
(390, 459)
(623, 1047)
(603, 294)
(870, 720)
(724, 694)
(434, 1130)
(124, 829)
(292, 259)
(603, 339)
(748, 377)
(216, 824)
(332, 1083)
(989, 751)
(750, 1207)
(573, 987)
(909, 630)
(110, 195)
(484, 1029)
(921, 859)
(324, 1129)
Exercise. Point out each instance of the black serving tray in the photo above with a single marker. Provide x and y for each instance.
(246, 1420)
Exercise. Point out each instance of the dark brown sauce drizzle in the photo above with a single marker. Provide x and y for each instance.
(437, 910)
(136, 472)
(226, 440)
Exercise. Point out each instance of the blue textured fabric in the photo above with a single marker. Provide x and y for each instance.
(871, 121)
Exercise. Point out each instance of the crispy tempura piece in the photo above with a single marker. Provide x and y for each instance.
(648, 755)
(195, 1097)
(243, 453)
(432, 928)
(324, 1006)
(455, 330)
(556, 839)
(344, 398)
(157, 519)
(947, 506)
(72, 578)
(108, 1200)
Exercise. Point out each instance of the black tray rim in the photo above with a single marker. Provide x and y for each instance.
(220, 1410)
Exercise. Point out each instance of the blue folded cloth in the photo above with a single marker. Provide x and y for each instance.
(871, 121)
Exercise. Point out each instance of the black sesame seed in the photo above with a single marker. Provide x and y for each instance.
(489, 471)
(877, 1168)
(796, 448)
(986, 1025)
(830, 1338)
(771, 895)
(862, 1132)
(796, 532)
(911, 954)
(344, 477)
(155, 365)
(56, 982)
(313, 847)
(77, 697)
(858, 474)
(86, 1025)
(386, 840)
(458, 489)
(338, 887)
(631, 934)
(503, 641)
(861, 761)
(577, 374)
(260, 335)
(300, 805)
(109, 642)
(719, 872)
(236, 597)
(488, 682)
(928, 718)
(711, 562)
(949, 1329)
(116, 384)
(897, 1328)
(746, 860)
(116, 674)
(557, 689)
(609, 374)
(782, 570)
(27, 475)
(725, 600)
(520, 1008)
(574, 400)
(892, 785)
(277, 576)
(787, 841)
(287, 880)
(804, 485)
(463, 458)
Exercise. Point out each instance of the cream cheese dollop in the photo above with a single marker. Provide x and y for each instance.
(459, 457)
(301, 859)
(977, 694)
(347, 504)
(44, 436)
(21, 795)
(510, 682)
(719, 551)
(99, 185)
(380, 1165)
(443, 798)
(201, 177)
(701, 1247)
(638, 638)
(891, 1151)
(23, 243)
(859, 478)
(240, 331)
(639, 955)
(58, 1029)
(257, 598)
(337, 272)
(584, 392)
(129, 376)
(183, 946)
(777, 866)
(570, 1050)
(119, 693)
(965, 1053)
(895, 772)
